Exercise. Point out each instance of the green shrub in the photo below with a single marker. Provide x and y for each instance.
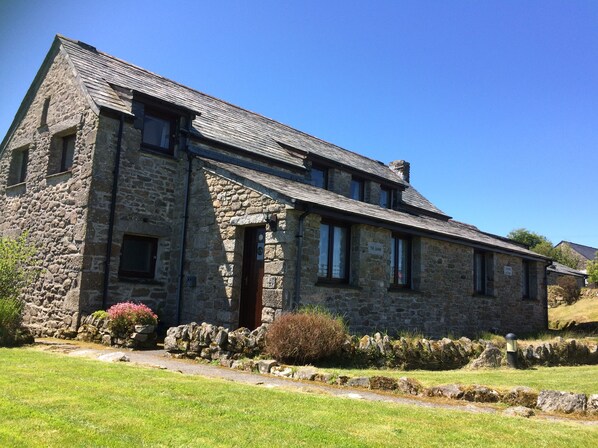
(10, 320)
(570, 288)
(17, 270)
(125, 315)
(307, 336)
(100, 314)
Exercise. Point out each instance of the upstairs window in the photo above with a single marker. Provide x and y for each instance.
(400, 262)
(319, 177)
(357, 189)
(138, 256)
(62, 152)
(333, 262)
(387, 196)
(68, 152)
(158, 132)
(18, 168)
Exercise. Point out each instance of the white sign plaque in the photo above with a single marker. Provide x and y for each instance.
(508, 271)
(376, 248)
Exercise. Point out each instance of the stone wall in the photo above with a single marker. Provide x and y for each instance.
(52, 206)
(220, 211)
(441, 299)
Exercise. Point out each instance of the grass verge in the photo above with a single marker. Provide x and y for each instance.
(580, 379)
(54, 400)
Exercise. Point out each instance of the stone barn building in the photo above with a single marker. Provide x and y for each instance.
(134, 187)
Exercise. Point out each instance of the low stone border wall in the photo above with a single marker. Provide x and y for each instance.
(522, 400)
(95, 329)
(210, 342)
(207, 341)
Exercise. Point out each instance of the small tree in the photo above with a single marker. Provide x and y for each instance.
(17, 270)
(592, 269)
(527, 237)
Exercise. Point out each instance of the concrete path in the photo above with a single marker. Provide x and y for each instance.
(160, 359)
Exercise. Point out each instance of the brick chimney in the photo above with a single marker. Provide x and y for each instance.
(402, 168)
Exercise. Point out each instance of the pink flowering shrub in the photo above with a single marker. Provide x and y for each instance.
(125, 315)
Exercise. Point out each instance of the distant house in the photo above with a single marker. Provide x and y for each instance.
(583, 253)
(557, 270)
(135, 187)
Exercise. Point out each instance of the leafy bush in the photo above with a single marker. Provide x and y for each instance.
(10, 320)
(570, 289)
(17, 270)
(305, 336)
(100, 314)
(592, 270)
(125, 315)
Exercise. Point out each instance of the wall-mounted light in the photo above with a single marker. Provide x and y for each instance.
(272, 221)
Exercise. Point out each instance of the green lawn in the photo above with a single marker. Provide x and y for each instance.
(584, 310)
(581, 379)
(51, 400)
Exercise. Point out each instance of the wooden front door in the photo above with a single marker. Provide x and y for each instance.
(250, 311)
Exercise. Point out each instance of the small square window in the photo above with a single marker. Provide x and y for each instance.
(158, 132)
(18, 168)
(138, 256)
(357, 189)
(62, 152)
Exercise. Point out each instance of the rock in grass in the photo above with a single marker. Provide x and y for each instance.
(592, 406)
(481, 394)
(383, 383)
(114, 357)
(491, 357)
(519, 411)
(521, 396)
(452, 391)
(360, 381)
(557, 401)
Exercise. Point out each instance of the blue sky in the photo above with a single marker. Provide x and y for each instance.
(494, 103)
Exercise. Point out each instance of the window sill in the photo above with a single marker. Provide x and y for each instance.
(55, 178)
(399, 290)
(16, 189)
(340, 285)
(529, 299)
(139, 280)
(158, 152)
(483, 296)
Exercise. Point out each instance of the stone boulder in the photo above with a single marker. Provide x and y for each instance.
(557, 401)
(521, 396)
(480, 394)
(452, 391)
(519, 411)
(409, 386)
(491, 357)
(383, 383)
(592, 406)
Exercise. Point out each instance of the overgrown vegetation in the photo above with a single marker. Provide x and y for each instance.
(61, 401)
(17, 271)
(592, 270)
(310, 335)
(543, 246)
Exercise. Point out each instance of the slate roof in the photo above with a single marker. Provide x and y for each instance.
(585, 251)
(219, 120)
(294, 191)
(561, 269)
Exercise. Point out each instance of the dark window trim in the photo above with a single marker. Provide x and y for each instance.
(154, 252)
(162, 115)
(63, 164)
(392, 197)
(328, 278)
(24, 155)
(484, 287)
(325, 170)
(395, 278)
(361, 191)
